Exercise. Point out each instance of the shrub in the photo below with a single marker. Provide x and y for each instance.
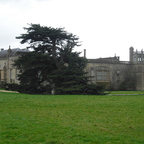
(93, 89)
(89, 89)
(29, 89)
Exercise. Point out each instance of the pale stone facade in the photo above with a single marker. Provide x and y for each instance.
(112, 72)
(108, 71)
(8, 73)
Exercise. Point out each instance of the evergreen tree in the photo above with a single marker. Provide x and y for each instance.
(71, 78)
(48, 40)
(52, 65)
(34, 72)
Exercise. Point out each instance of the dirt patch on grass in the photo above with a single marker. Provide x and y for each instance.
(8, 91)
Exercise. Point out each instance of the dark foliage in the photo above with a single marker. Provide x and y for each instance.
(52, 66)
(128, 84)
(29, 89)
(92, 89)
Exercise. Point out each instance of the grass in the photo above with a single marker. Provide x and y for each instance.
(43, 119)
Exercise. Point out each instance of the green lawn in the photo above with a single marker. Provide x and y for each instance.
(43, 119)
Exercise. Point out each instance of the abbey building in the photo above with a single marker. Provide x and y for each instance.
(110, 72)
(116, 74)
(8, 73)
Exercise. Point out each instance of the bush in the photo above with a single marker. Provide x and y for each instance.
(93, 89)
(11, 86)
(29, 89)
(89, 89)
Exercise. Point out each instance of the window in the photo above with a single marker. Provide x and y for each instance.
(139, 59)
(102, 75)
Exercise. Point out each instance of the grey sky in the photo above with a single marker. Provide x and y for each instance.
(105, 27)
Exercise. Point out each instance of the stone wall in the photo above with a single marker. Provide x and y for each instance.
(115, 72)
(8, 73)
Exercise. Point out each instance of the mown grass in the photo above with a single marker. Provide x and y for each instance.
(43, 119)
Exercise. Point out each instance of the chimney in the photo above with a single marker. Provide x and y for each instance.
(84, 53)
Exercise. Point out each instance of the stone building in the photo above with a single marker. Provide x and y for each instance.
(115, 74)
(111, 72)
(8, 73)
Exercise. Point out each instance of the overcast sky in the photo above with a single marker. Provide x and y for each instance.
(105, 27)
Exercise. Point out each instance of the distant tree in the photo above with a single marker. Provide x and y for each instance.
(52, 65)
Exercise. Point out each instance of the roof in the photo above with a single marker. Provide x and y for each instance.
(11, 52)
(113, 60)
(105, 60)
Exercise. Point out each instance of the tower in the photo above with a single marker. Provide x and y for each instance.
(131, 49)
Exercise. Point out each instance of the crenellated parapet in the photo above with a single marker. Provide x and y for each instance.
(136, 56)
